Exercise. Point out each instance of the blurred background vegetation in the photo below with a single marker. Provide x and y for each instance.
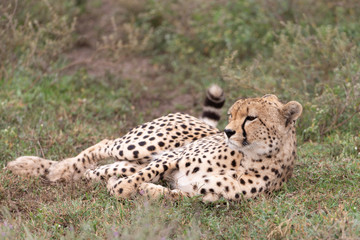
(302, 50)
(73, 72)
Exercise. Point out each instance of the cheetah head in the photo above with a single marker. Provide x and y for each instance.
(261, 125)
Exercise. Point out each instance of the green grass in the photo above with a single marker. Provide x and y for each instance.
(320, 201)
(303, 53)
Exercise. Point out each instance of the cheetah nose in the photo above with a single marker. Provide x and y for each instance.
(229, 132)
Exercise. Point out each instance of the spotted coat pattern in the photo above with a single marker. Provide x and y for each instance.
(255, 154)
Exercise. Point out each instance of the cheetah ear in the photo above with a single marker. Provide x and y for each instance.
(271, 96)
(291, 111)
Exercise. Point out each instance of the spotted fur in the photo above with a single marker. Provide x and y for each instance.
(255, 154)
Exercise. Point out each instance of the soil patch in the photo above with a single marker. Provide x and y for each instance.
(95, 23)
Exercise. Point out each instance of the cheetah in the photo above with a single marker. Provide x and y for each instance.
(255, 154)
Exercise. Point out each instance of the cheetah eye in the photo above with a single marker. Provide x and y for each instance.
(250, 118)
(229, 115)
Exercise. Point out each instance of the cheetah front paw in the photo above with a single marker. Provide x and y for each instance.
(122, 187)
(154, 191)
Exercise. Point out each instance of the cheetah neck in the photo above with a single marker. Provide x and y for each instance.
(281, 161)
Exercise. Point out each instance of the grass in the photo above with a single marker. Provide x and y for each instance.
(321, 201)
(53, 104)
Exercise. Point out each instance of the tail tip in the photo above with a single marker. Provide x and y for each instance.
(214, 101)
(215, 92)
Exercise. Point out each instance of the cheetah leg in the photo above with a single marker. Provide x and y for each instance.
(139, 145)
(122, 168)
(154, 191)
(68, 169)
(127, 187)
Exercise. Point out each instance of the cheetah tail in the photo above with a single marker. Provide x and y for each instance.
(214, 101)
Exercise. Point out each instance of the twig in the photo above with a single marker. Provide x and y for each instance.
(74, 63)
(41, 149)
(344, 121)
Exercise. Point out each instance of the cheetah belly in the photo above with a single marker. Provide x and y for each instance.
(185, 183)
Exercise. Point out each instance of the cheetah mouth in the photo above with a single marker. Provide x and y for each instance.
(237, 146)
(233, 145)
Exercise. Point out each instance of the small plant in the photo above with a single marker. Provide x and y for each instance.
(125, 39)
(32, 40)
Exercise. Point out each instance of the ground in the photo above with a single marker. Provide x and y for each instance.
(57, 101)
(139, 69)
